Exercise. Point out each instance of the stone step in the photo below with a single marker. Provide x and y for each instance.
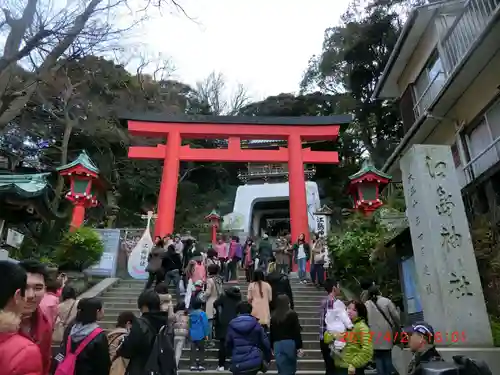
(296, 293)
(310, 348)
(242, 285)
(243, 289)
(111, 320)
(313, 314)
(131, 302)
(119, 304)
(306, 335)
(302, 364)
(312, 302)
(270, 372)
(214, 353)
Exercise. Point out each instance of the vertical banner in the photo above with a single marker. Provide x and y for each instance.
(138, 259)
(322, 225)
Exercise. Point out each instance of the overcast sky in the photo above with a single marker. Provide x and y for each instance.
(263, 44)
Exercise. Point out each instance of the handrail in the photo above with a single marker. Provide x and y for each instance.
(476, 158)
(416, 110)
(465, 29)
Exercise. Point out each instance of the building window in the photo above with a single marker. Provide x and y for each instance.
(406, 105)
(483, 143)
(429, 83)
(456, 155)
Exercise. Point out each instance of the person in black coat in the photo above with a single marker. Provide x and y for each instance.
(225, 311)
(154, 267)
(94, 358)
(172, 266)
(280, 284)
(138, 344)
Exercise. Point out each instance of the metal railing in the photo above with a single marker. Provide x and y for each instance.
(429, 94)
(466, 28)
(474, 167)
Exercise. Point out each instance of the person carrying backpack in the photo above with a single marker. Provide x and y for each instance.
(225, 311)
(115, 339)
(280, 284)
(213, 291)
(85, 349)
(66, 314)
(138, 346)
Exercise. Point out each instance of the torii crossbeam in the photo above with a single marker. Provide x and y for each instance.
(294, 130)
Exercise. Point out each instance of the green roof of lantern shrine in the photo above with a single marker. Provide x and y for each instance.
(213, 213)
(24, 185)
(366, 168)
(84, 160)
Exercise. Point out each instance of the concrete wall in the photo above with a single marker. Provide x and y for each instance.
(479, 94)
(470, 104)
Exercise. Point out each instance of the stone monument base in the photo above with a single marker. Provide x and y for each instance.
(491, 355)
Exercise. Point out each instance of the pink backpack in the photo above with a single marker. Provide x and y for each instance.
(67, 365)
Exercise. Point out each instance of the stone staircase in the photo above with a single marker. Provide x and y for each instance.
(307, 299)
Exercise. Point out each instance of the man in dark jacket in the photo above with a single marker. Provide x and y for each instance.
(138, 344)
(154, 267)
(265, 252)
(172, 265)
(247, 342)
(421, 343)
(280, 284)
(225, 311)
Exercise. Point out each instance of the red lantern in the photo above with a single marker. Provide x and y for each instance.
(214, 219)
(365, 187)
(84, 181)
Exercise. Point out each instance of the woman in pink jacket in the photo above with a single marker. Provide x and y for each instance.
(222, 253)
(196, 271)
(50, 301)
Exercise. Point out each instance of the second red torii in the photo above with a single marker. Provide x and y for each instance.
(293, 129)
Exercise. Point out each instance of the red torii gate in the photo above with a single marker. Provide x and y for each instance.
(294, 130)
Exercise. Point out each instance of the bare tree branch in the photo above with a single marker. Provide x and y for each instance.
(213, 92)
(43, 36)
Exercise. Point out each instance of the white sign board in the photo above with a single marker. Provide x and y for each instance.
(233, 222)
(14, 238)
(107, 263)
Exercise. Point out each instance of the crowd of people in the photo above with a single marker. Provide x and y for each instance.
(38, 310)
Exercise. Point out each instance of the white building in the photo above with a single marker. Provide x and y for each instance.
(446, 71)
(262, 205)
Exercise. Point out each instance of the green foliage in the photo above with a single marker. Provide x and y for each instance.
(485, 239)
(79, 249)
(351, 249)
(352, 60)
(495, 330)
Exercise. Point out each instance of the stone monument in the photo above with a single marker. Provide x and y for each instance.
(446, 268)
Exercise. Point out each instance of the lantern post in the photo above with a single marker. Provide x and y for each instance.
(365, 187)
(214, 219)
(83, 176)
